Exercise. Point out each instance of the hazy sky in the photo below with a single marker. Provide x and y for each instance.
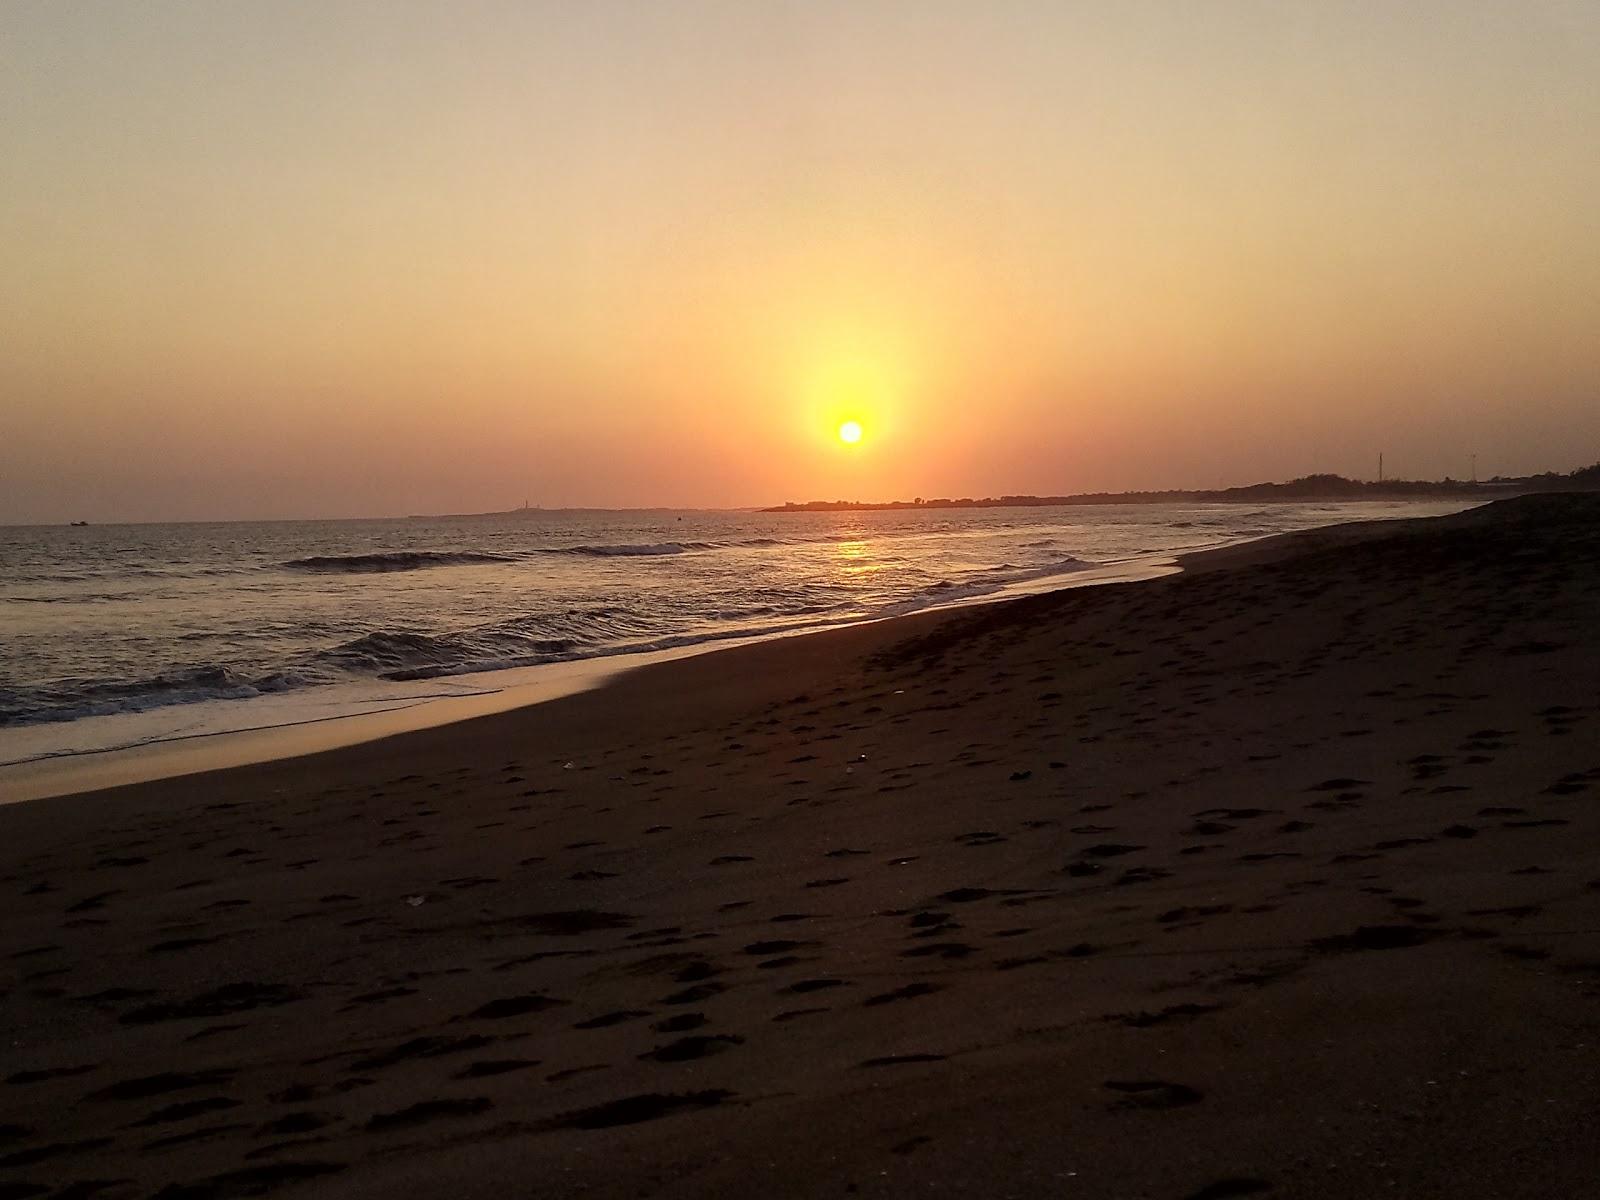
(278, 259)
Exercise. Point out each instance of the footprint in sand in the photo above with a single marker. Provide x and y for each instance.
(690, 1048)
(632, 1110)
(910, 991)
(1152, 1094)
(429, 1110)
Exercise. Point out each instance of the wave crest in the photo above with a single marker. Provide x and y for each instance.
(68, 699)
(397, 560)
(624, 550)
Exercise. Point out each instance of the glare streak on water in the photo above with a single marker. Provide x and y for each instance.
(294, 621)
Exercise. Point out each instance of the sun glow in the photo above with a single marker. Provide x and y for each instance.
(849, 383)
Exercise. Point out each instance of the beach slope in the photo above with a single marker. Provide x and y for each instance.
(1277, 877)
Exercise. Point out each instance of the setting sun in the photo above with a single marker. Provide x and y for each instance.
(850, 432)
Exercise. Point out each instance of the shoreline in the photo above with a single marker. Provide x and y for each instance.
(167, 756)
(1277, 875)
(148, 738)
(502, 690)
(65, 773)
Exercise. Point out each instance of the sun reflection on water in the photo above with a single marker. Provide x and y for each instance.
(855, 558)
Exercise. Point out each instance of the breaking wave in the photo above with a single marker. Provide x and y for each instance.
(68, 699)
(400, 560)
(646, 550)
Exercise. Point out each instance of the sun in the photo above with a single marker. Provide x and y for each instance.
(850, 432)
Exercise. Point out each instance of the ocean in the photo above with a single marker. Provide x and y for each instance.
(122, 635)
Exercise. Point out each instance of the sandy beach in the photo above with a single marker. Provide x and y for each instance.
(1278, 877)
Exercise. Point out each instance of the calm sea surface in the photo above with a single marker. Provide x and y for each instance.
(102, 623)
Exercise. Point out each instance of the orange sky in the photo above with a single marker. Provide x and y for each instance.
(333, 259)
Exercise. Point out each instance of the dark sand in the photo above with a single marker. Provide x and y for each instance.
(1278, 877)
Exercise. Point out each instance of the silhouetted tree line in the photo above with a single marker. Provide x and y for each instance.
(1307, 487)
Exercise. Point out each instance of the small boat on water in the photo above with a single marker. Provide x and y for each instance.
(77, 524)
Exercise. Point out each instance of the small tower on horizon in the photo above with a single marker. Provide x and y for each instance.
(1380, 466)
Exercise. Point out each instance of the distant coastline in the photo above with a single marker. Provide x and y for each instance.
(1308, 487)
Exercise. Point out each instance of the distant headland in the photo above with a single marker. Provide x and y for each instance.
(1307, 487)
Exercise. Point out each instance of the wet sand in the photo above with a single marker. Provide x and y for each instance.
(1277, 877)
